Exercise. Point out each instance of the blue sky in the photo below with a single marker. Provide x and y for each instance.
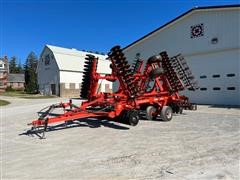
(27, 25)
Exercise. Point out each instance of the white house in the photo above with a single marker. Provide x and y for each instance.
(60, 71)
(209, 39)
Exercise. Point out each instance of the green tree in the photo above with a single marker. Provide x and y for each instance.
(30, 68)
(20, 68)
(13, 65)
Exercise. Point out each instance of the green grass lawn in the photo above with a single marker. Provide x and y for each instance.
(22, 94)
(14, 93)
(38, 97)
(3, 102)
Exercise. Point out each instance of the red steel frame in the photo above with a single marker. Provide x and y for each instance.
(160, 95)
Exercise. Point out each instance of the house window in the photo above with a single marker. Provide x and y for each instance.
(203, 89)
(230, 75)
(1, 65)
(216, 88)
(231, 88)
(47, 60)
(203, 77)
(216, 76)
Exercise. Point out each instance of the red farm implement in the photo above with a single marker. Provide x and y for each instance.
(152, 87)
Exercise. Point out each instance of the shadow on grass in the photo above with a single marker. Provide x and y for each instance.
(90, 122)
(25, 95)
(4, 102)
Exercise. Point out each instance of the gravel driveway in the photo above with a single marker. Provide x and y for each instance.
(202, 144)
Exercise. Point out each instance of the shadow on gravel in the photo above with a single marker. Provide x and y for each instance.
(91, 123)
(143, 117)
(224, 106)
(78, 98)
(50, 114)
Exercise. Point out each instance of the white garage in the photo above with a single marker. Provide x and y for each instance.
(60, 71)
(209, 38)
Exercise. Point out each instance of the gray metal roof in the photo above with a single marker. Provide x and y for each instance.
(73, 60)
(16, 78)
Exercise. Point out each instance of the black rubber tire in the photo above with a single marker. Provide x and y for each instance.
(166, 113)
(154, 59)
(156, 72)
(150, 111)
(175, 107)
(133, 118)
(129, 117)
(178, 109)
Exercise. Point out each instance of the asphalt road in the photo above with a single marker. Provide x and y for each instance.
(201, 144)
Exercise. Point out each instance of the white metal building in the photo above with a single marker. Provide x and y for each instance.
(209, 38)
(60, 71)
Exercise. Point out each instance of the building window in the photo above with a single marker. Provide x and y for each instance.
(203, 89)
(1, 65)
(216, 76)
(77, 86)
(67, 85)
(203, 77)
(231, 88)
(47, 60)
(230, 75)
(216, 88)
(72, 86)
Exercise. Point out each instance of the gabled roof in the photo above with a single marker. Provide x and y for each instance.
(16, 78)
(71, 59)
(181, 17)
